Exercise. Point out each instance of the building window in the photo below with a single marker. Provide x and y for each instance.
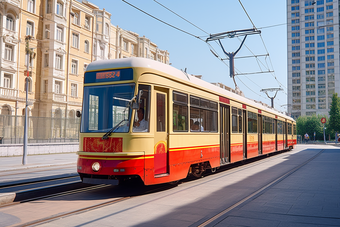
(85, 66)
(8, 52)
(28, 60)
(30, 6)
(47, 31)
(102, 51)
(29, 81)
(60, 8)
(9, 23)
(87, 46)
(76, 19)
(46, 60)
(74, 67)
(87, 22)
(125, 45)
(57, 87)
(107, 29)
(58, 61)
(7, 81)
(60, 34)
(75, 40)
(45, 86)
(49, 6)
(29, 28)
(74, 90)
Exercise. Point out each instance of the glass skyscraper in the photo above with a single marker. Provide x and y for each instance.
(313, 55)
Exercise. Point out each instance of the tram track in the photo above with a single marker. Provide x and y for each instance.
(153, 188)
(13, 193)
(215, 219)
(120, 197)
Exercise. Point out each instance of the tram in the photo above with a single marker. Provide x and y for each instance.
(145, 119)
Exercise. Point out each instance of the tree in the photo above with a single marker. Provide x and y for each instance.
(310, 124)
(334, 116)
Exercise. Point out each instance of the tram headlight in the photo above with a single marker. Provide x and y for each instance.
(96, 166)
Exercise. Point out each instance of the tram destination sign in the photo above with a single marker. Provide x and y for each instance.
(108, 76)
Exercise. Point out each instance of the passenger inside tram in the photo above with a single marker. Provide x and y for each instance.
(141, 125)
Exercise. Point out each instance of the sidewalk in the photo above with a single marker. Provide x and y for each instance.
(35, 161)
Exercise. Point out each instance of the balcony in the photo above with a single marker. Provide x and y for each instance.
(54, 97)
(59, 97)
(8, 93)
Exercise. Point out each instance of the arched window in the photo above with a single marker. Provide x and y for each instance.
(10, 23)
(87, 46)
(107, 29)
(5, 110)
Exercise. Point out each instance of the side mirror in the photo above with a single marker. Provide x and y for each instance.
(136, 103)
(78, 113)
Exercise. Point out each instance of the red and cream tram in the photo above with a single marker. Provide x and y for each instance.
(142, 118)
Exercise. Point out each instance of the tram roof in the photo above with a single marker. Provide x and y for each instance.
(170, 70)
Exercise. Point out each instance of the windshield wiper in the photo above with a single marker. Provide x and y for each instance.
(106, 136)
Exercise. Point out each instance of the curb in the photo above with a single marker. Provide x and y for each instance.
(37, 179)
(6, 198)
(36, 166)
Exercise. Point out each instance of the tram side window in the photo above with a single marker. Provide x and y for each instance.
(180, 112)
(234, 119)
(203, 115)
(294, 129)
(142, 115)
(252, 122)
(279, 127)
(289, 129)
(268, 125)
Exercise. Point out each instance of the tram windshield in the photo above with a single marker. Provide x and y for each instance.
(107, 107)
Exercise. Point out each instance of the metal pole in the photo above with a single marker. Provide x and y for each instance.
(324, 134)
(24, 158)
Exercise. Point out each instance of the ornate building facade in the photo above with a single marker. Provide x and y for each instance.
(67, 36)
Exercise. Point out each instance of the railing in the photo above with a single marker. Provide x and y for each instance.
(59, 97)
(8, 93)
(40, 129)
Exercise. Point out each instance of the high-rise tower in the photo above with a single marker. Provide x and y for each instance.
(313, 55)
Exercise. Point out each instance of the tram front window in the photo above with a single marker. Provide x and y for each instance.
(107, 107)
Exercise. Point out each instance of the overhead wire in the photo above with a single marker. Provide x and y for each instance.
(188, 33)
(280, 84)
(211, 47)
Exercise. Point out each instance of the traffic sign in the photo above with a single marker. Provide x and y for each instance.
(323, 120)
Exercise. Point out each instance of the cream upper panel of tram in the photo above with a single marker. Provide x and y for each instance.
(137, 62)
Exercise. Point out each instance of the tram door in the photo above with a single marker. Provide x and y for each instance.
(245, 131)
(259, 131)
(161, 133)
(275, 130)
(225, 133)
(286, 135)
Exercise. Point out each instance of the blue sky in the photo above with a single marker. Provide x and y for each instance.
(215, 16)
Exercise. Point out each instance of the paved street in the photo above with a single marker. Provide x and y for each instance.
(307, 195)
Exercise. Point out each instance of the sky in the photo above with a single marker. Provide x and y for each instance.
(211, 17)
